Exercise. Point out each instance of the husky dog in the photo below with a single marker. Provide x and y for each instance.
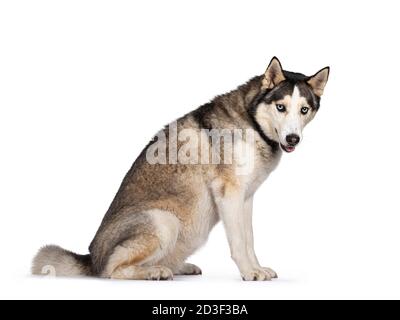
(163, 212)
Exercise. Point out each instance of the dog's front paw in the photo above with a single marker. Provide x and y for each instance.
(271, 272)
(257, 274)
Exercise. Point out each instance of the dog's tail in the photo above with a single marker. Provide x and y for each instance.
(55, 261)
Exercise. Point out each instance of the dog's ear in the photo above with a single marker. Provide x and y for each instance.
(273, 75)
(319, 80)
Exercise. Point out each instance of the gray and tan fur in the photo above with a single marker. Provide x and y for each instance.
(162, 213)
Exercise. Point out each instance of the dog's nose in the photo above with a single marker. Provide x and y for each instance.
(292, 139)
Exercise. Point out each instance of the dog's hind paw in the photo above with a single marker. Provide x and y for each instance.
(189, 269)
(142, 273)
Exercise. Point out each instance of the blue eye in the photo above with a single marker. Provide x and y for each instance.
(280, 108)
(304, 110)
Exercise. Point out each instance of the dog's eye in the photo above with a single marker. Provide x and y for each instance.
(280, 108)
(304, 110)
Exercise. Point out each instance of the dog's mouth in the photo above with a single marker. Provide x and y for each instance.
(287, 149)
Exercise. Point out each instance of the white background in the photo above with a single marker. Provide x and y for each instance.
(84, 85)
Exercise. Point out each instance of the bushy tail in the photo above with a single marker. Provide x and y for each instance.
(55, 261)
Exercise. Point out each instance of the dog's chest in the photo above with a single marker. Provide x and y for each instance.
(261, 170)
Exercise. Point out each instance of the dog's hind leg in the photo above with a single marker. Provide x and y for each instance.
(138, 258)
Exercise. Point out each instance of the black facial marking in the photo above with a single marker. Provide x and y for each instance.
(252, 113)
(300, 80)
(286, 88)
(306, 92)
(279, 92)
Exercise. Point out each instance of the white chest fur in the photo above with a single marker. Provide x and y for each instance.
(254, 164)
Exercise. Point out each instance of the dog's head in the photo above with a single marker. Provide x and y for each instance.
(288, 102)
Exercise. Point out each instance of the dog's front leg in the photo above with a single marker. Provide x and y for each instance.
(248, 225)
(231, 211)
(248, 231)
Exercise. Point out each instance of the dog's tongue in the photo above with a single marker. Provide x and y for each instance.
(288, 149)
